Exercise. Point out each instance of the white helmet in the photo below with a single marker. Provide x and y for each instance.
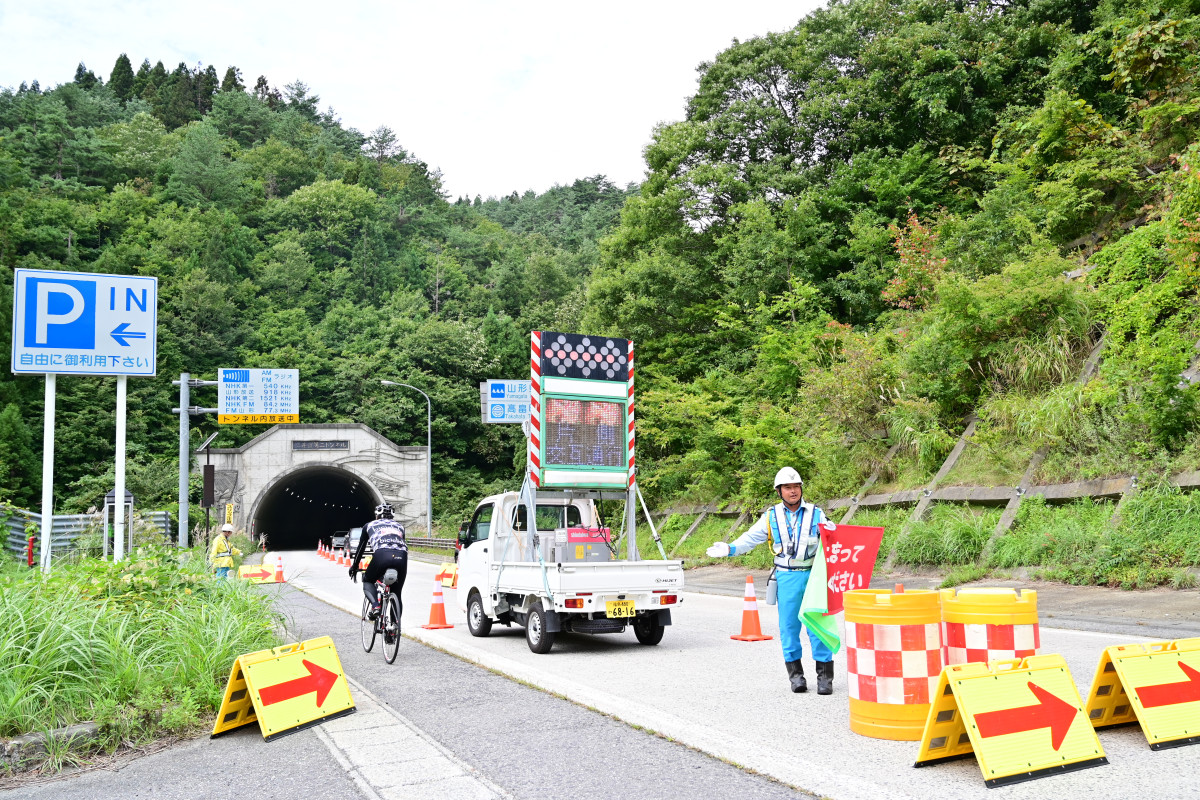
(787, 475)
(226, 528)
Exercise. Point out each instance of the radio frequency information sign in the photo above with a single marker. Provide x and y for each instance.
(504, 401)
(83, 323)
(258, 396)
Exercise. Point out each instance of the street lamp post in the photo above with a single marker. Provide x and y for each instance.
(428, 447)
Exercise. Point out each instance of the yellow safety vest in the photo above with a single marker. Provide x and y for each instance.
(223, 552)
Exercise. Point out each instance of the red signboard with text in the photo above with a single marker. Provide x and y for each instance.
(850, 553)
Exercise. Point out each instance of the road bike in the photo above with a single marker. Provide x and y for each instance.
(388, 621)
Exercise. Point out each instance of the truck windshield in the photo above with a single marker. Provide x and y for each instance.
(550, 517)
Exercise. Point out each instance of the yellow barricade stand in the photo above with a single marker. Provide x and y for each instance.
(1022, 718)
(985, 624)
(893, 659)
(1155, 684)
(285, 689)
(256, 573)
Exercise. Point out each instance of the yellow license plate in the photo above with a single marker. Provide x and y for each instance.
(619, 608)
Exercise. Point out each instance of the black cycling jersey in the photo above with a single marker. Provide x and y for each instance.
(385, 534)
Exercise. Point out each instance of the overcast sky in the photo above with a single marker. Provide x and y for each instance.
(500, 96)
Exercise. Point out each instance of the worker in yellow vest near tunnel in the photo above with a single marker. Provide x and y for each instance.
(223, 552)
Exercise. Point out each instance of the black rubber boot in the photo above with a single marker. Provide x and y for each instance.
(824, 677)
(796, 676)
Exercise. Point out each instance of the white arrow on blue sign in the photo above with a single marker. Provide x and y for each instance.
(84, 323)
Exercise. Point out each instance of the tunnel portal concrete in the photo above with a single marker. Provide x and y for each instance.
(297, 484)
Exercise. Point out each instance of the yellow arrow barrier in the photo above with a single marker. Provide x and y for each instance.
(1157, 684)
(285, 689)
(1022, 718)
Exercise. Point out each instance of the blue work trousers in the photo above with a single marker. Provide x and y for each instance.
(791, 591)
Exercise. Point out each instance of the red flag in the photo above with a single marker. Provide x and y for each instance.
(850, 553)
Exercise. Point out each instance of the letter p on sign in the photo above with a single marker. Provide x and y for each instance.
(64, 314)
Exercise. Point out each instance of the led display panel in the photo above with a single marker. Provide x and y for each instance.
(573, 355)
(584, 433)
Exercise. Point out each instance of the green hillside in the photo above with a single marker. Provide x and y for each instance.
(897, 216)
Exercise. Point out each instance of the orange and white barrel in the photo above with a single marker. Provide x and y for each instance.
(893, 660)
(984, 624)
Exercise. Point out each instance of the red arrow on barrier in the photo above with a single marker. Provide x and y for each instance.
(1169, 694)
(1050, 712)
(262, 573)
(318, 679)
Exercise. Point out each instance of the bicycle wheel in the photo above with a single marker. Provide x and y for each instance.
(391, 628)
(368, 626)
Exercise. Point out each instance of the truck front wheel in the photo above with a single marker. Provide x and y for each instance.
(647, 629)
(539, 639)
(478, 622)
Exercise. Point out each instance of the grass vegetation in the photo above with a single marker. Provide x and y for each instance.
(950, 535)
(1155, 541)
(890, 518)
(159, 628)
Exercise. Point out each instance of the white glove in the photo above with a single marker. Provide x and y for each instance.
(718, 550)
(829, 525)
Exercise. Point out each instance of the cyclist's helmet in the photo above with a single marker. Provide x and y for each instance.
(384, 511)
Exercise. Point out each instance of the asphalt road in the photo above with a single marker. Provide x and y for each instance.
(697, 688)
(523, 742)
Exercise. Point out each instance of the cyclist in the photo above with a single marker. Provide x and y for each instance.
(389, 550)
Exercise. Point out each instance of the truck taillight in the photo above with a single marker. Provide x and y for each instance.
(667, 600)
(573, 602)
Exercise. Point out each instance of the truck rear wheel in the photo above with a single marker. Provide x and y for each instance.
(539, 639)
(478, 622)
(647, 629)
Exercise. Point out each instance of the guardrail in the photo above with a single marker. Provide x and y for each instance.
(66, 528)
(421, 541)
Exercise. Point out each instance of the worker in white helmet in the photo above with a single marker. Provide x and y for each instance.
(793, 528)
(223, 551)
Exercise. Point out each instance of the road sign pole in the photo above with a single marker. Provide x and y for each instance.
(119, 536)
(185, 457)
(48, 471)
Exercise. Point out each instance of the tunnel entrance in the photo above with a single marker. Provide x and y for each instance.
(306, 506)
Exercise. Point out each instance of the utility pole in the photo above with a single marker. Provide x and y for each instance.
(185, 412)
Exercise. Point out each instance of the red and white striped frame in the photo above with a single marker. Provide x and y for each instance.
(629, 418)
(893, 664)
(535, 408)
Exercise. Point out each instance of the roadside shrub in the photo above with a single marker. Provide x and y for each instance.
(950, 535)
(143, 646)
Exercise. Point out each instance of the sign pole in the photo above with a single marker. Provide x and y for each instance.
(185, 458)
(48, 471)
(119, 536)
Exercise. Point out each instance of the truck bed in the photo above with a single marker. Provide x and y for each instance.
(601, 577)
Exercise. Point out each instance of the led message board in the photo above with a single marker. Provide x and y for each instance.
(581, 411)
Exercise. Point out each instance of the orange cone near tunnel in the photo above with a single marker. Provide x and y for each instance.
(437, 611)
(279, 569)
(751, 629)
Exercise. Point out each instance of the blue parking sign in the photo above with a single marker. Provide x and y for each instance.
(83, 323)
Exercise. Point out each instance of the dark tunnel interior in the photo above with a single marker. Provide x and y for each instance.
(309, 505)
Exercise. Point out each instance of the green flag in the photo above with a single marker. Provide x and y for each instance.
(816, 602)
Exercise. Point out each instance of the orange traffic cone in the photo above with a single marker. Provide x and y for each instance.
(279, 569)
(751, 630)
(437, 611)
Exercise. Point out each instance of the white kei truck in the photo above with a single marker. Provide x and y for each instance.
(561, 574)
